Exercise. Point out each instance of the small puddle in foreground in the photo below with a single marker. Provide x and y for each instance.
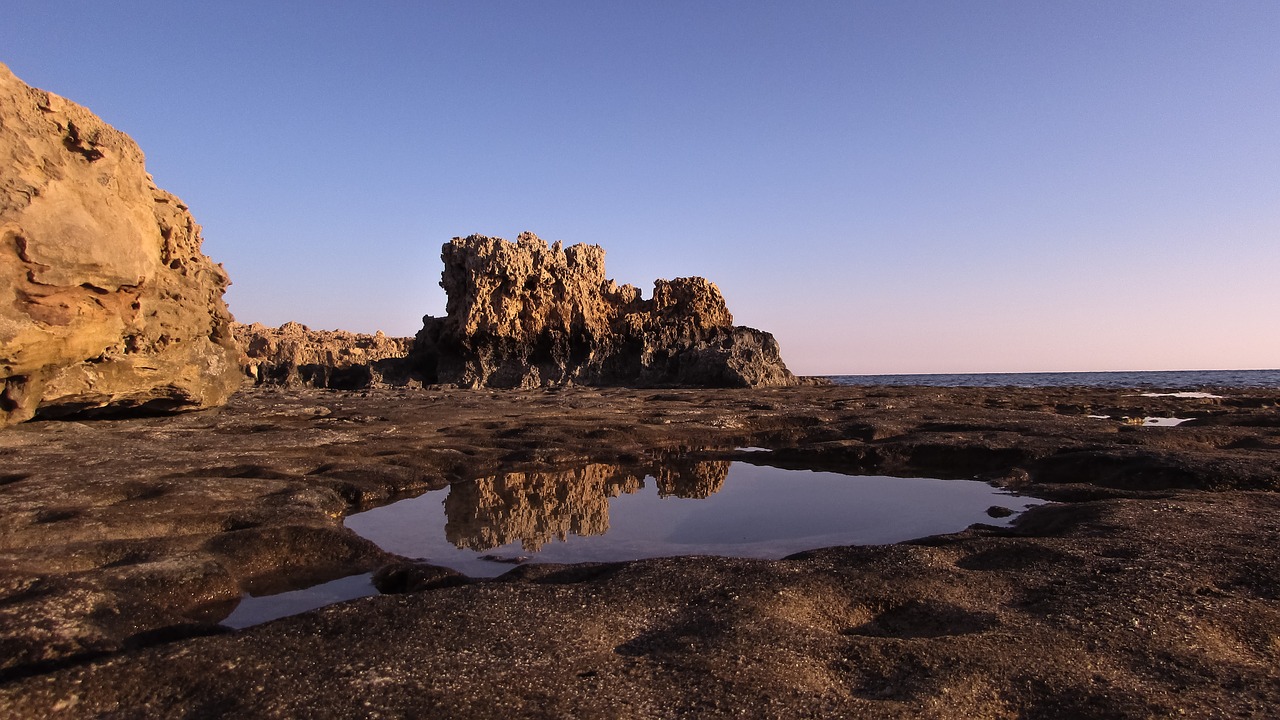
(1163, 421)
(255, 610)
(603, 513)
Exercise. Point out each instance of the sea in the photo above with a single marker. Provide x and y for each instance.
(1171, 380)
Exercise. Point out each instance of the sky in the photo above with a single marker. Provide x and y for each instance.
(887, 187)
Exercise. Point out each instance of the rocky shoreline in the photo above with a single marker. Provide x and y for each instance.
(1148, 588)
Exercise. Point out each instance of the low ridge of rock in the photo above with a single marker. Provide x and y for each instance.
(295, 355)
(525, 314)
(106, 301)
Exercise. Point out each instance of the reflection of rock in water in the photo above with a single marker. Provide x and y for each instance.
(534, 508)
(692, 480)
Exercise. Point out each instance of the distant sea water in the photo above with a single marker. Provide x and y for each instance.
(1174, 380)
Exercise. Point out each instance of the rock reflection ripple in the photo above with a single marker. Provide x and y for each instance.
(536, 508)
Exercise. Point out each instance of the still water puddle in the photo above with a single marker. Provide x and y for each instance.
(606, 513)
(256, 610)
(1163, 421)
(1146, 421)
(601, 513)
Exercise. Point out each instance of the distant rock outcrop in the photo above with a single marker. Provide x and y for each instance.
(106, 301)
(526, 314)
(294, 354)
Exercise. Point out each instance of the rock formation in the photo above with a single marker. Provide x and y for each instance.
(526, 315)
(294, 354)
(106, 301)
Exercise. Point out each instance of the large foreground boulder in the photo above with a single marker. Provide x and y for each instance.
(526, 314)
(106, 302)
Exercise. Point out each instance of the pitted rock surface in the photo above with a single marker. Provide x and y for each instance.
(106, 301)
(1148, 590)
(526, 314)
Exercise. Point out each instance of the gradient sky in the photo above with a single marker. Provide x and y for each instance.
(886, 186)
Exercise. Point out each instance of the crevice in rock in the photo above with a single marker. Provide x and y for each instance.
(88, 149)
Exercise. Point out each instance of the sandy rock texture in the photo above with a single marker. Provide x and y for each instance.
(106, 301)
(527, 315)
(1149, 588)
(295, 355)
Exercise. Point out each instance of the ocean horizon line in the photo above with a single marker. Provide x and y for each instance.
(1035, 372)
(1170, 379)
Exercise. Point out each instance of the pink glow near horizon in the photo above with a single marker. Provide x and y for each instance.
(888, 188)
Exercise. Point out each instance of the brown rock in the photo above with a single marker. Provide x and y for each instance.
(294, 354)
(526, 314)
(106, 301)
(1149, 590)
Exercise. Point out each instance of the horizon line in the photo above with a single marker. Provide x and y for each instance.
(1037, 372)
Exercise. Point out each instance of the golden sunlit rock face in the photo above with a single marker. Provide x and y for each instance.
(540, 507)
(526, 314)
(106, 300)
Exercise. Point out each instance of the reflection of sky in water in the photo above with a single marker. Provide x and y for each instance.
(1149, 421)
(1163, 421)
(255, 610)
(759, 512)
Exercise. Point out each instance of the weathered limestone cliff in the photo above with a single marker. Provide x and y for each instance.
(106, 301)
(294, 354)
(526, 314)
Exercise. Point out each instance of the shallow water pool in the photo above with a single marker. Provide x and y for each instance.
(607, 513)
(601, 513)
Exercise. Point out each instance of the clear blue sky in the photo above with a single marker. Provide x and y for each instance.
(886, 186)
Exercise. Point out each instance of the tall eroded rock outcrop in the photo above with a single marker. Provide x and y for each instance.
(105, 298)
(526, 314)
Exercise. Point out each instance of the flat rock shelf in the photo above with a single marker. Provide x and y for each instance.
(1148, 587)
